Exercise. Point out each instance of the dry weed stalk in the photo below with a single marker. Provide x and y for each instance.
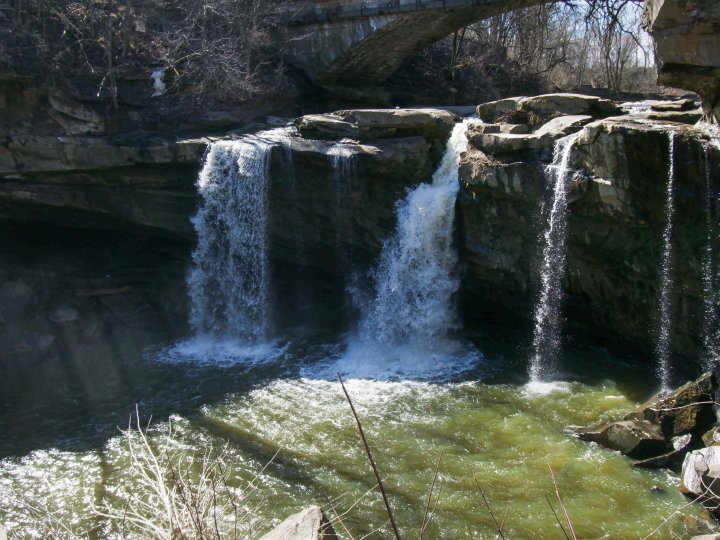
(368, 452)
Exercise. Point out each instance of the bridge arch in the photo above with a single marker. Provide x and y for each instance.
(354, 42)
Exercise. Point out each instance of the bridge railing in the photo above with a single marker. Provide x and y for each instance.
(297, 13)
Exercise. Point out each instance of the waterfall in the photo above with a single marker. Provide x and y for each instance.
(548, 310)
(662, 347)
(415, 278)
(711, 295)
(228, 282)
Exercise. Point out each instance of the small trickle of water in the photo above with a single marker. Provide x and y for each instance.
(711, 294)
(416, 277)
(548, 310)
(662, 348)
(343, 163)
(229, 279)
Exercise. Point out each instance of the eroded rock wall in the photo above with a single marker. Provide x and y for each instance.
(616, 217)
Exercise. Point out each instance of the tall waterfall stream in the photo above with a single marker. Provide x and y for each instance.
(665, 306)
(548, 314)
(277, 418)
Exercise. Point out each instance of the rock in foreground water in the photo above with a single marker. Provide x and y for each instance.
(309, 524)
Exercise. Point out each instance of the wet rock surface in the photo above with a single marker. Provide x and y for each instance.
(661, 431)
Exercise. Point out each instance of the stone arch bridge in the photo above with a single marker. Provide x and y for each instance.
(364, 42)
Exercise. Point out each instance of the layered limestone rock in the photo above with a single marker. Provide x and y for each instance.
(687, 41)
(616, 217)
(146, 182)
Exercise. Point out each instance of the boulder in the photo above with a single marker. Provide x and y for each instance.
(637, 439)
(538, 109)
(494, 110)
(689, 409)
(675, 105)
(700, 476)
(309, 524)
(712, 436)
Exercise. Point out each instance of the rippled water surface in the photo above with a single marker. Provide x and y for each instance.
(63, 453)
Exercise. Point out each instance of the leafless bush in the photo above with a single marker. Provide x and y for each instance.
(176, 496)
(217, 49)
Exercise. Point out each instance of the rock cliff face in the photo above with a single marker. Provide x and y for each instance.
(687, 41)
(331, 206)
(616, 218)
(334, 185)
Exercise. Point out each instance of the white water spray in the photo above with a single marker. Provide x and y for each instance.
(229, 279)
(662, 348)
(548, 310)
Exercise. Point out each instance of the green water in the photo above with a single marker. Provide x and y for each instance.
(475, 413)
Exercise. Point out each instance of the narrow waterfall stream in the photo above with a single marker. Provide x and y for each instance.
(711, 327)
(229, 280)
(665, 306)
(548, 314)
(711, 289)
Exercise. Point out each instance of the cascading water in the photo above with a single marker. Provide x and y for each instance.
(548, 310)
(711, 294)
(229, 279)
(412, 312)
(415, 278)
(662, 348)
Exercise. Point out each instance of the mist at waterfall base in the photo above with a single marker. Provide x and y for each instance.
(423, 387)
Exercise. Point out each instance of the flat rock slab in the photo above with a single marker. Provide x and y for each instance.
(364, 124)
(499, 143)
(309, 524)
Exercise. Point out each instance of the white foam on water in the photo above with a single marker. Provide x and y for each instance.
(545, 388)
(208, 350)
(443, 360)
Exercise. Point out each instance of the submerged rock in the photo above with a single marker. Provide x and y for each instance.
(309, 524)
(17, 302)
